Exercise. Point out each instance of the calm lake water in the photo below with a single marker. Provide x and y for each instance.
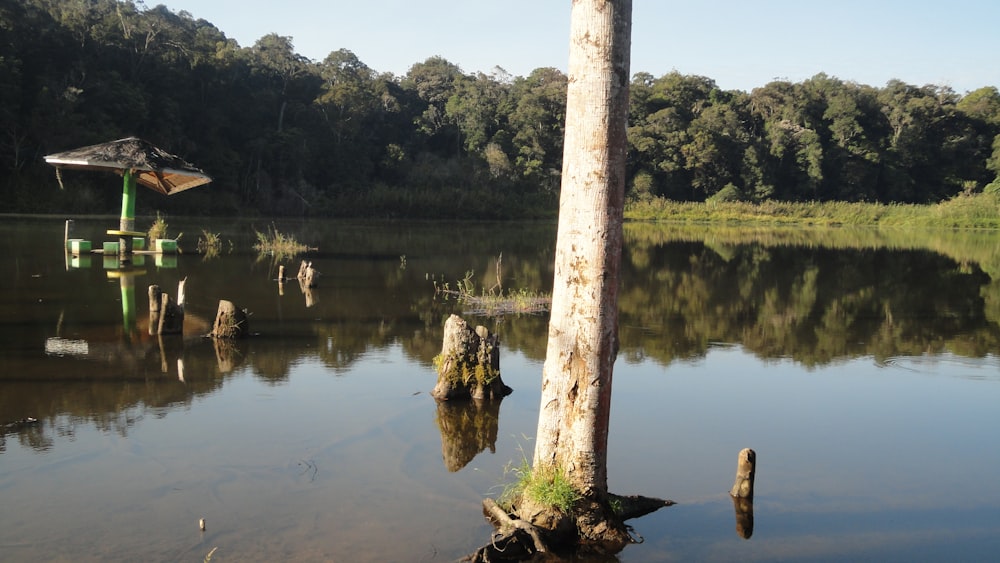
(862, 366)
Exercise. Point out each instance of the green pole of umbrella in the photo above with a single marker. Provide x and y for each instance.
(128, 201)
(127, 221)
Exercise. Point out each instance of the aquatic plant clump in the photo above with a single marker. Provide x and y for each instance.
(494, 302)
(278, 244)
(158, 230)
(210, 244)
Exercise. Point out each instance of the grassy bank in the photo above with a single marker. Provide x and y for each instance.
(981, 211)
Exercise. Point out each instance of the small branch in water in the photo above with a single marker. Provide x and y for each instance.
(310, 467)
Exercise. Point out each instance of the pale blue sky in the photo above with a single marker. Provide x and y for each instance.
(739, 44)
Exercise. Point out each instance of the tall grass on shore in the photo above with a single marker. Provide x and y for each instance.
(979, 211)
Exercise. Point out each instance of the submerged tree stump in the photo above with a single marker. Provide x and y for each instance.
(307, 274)
(230, 321)
(165, 315)
(469, 364)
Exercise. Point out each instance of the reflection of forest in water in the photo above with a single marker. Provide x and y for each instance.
(812, 295)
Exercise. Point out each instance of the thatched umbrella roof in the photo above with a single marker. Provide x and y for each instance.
(153, 167)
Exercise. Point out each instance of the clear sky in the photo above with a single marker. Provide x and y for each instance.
(741, 44)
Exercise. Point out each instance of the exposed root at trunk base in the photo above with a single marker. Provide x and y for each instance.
(514, 540)
(519, 540)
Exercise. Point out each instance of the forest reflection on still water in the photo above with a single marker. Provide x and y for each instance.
(864, 375)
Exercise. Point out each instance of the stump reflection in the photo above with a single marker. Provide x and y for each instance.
(744, 517)
(467, 428)
(228, 353)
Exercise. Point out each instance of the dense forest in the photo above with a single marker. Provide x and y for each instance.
(285, 135)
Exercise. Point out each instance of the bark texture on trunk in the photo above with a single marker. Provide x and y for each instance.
(583, 331)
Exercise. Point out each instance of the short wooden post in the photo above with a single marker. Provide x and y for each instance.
(281, 273)
(166, 316)
(742, 492)
(171, 316)
(180, 293)
(746, 467)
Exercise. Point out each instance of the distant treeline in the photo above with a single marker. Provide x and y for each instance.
(284, 135)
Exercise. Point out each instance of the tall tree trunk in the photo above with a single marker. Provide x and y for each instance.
(572, 431)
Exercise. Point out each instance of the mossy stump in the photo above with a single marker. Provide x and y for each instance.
(230, 321)
(469, 364)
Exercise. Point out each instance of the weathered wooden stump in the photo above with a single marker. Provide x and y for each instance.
(171, 316)
(307, 274)
(742, 492)
(281, 279)
(469, 364)
(746, 467)
(230, 321)
(165, 315)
